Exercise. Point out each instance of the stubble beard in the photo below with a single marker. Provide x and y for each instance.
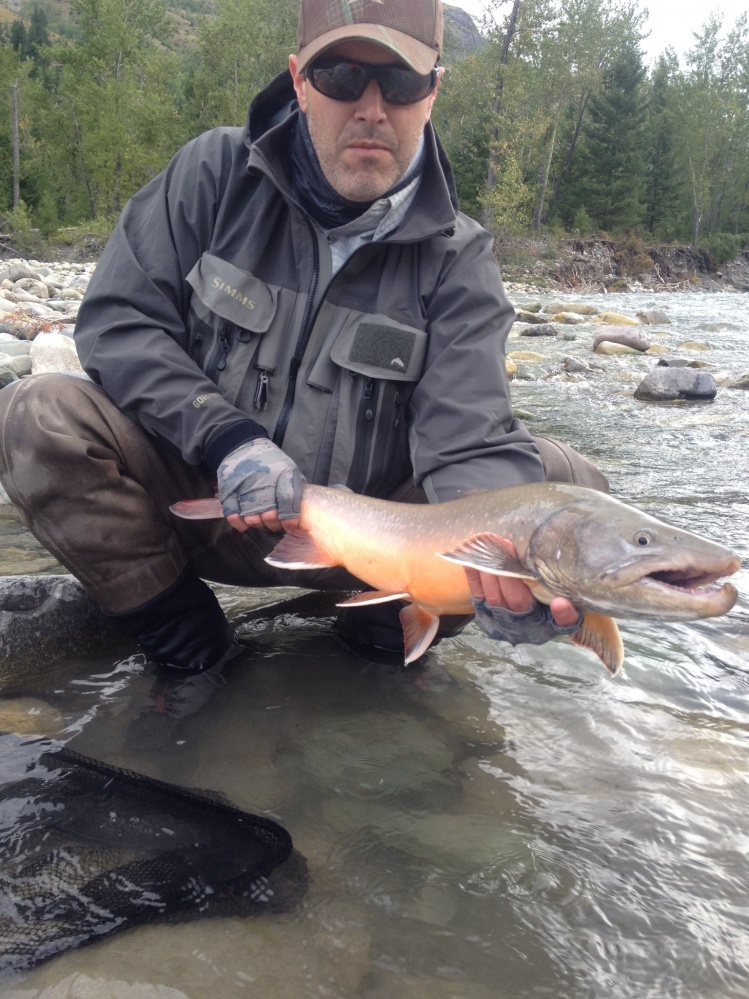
(363, 183)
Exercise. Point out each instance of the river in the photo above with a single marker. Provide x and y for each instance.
(499, 823)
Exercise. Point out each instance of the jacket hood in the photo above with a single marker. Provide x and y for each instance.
(269, 122)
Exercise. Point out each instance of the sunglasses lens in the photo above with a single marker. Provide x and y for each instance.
(347, 81)
(400, 85)
(341, 81)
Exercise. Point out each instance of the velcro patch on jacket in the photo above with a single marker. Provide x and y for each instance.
(381, 350)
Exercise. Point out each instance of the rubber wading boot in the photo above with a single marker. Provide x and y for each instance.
(183, 628)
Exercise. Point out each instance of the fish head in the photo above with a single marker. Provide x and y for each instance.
(610, 557)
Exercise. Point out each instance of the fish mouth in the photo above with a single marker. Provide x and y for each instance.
(682, 590)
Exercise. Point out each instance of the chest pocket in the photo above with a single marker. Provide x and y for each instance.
(229, 311)
(382, 361)
(380, 348)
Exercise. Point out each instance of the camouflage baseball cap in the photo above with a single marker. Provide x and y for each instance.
(410, 29)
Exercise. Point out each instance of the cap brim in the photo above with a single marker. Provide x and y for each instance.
(410, 50)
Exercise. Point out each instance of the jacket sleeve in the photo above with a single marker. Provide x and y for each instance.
(131, 332)
(463, 433)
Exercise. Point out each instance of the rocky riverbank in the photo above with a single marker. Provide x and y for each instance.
(616, 266)
(39, 303)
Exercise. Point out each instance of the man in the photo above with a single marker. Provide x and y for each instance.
(297, 300)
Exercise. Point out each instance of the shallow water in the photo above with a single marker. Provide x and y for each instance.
(499, 823)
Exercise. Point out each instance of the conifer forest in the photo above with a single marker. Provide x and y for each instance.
(552, 118)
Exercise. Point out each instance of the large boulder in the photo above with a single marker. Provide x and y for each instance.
(666, 384)
(44, 614)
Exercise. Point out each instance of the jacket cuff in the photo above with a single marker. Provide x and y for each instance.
(225, 441)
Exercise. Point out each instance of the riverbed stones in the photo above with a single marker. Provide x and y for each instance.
(695, 345)
(568, 318)
(665, 384)
(616, 319)
(52, 352)
(742, 382)
(532, 318)
(581, 308)
(609, 348)
(547, 329)
(653, 317)
(624, 335)
(38, 613)
(525, 355)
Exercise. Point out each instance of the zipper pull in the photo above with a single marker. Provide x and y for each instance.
(397, 409)
(260, 400)
(224, 345)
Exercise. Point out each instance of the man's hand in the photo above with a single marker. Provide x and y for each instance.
(507, 610)
(260, 486)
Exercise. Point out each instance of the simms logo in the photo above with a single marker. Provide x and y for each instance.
(197, 403)
(233, 293)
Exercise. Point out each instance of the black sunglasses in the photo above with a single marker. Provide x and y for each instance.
(344, 80)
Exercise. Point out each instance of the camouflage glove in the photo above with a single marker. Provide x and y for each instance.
(534, 627)
(257, 477)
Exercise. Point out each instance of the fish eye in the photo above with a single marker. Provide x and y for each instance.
(643, 538)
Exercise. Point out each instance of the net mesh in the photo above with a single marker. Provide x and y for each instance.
(88, 849)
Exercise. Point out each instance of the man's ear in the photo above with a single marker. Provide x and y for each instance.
(300, 84)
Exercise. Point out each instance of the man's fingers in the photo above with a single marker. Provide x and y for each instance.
(500, 591)
(564, 613)
(268, 519)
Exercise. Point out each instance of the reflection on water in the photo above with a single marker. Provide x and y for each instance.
(499, 823)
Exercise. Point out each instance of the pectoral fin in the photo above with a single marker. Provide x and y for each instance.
(299, 550)
(419, 628)
(489, 553)
(198, 509)
(601, 635)
(373, 597)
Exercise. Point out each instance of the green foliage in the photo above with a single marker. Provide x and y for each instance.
(582, 224)
(721, 248)
(25, 238)
(553, 126)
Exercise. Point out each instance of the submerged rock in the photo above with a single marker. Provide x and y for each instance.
(616, 319)
(581, 308)
(664, 384)
(532, 318)
(653, 317)
(610, 348)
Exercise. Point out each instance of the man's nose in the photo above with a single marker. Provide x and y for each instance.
(371, 106)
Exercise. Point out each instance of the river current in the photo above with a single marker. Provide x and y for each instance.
(498, 823)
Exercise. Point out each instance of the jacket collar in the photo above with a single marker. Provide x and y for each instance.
(267, 136)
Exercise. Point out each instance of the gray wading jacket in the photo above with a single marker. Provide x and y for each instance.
(213, 306)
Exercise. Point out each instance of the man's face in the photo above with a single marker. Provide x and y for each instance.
(364, 146)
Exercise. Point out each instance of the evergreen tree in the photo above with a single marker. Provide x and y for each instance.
(663, 182)
(614, 135)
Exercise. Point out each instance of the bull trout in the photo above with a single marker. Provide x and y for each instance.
(607, 558)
